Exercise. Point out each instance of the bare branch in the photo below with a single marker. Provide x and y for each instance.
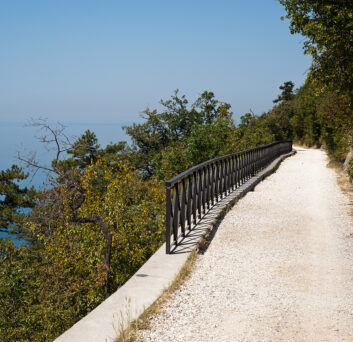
(32, 163)
(53, 138)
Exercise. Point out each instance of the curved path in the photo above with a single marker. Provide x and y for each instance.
(280, 267)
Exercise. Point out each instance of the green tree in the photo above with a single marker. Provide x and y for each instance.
(328, 26)
(169, 130)
(287, 92)
(19, 292)
(14, 200)
(91, 230)
(82, 152)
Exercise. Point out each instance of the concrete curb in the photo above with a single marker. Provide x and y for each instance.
(147, 284)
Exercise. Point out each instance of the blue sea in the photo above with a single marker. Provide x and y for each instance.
(17, 137)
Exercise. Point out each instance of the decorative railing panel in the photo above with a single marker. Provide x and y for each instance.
(190, 194)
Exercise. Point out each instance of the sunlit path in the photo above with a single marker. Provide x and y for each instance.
(280, 267)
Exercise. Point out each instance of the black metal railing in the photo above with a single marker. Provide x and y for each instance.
(196, 190)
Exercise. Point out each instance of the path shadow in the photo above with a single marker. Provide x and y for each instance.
(203, 232)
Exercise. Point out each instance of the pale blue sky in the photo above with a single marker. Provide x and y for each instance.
(105, 61)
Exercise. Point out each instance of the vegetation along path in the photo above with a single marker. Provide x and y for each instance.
(280, 267)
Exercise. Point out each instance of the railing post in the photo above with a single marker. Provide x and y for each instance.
(208, 186)
(176, 213)
(216, 180)
(189, 202)
(199, 193)
(204, 187)
(167, 219)
(182, 209)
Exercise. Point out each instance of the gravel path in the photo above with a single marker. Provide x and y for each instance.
(280, 267)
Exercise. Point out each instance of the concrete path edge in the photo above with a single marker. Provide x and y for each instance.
(125, 305)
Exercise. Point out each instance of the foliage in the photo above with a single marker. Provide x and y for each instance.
(18, 292)
(328, 27)
(309, 118)
(205, 142)
(82, 153)
(48, 286)
(324, 104)
(163, 137)
(287, 92)
(14, 200)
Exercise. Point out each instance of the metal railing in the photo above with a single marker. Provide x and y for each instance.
(191, 193)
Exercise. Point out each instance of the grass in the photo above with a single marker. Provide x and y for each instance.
(345, 185)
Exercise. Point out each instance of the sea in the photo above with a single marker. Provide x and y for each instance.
(18, 137)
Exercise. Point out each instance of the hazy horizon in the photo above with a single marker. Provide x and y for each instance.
(15, 137)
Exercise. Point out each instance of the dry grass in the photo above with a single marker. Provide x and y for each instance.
(345, 185)
(125, 334)
(347, 188)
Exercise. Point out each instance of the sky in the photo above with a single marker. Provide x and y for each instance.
(98, 64)
(105, 61)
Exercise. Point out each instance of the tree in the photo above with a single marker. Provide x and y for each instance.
(78, 181)
(287, 92)
(79, 223)
(168, 131)
(19, 292)
(91, 230)
(67, 190)
(328, 26)
(246, 120)
(82, 152)
(204, 143)
(14, 200)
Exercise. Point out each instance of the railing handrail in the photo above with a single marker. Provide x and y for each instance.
(190, 192)
(192, 169)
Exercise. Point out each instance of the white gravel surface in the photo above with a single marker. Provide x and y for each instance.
(280, 267)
